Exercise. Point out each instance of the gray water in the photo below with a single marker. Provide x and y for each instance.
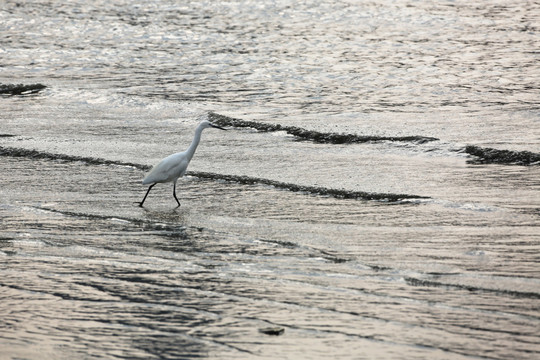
(376, 195)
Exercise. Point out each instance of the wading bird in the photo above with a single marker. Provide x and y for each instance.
(175, 165)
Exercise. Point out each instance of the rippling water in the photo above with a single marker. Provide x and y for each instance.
(376, 195)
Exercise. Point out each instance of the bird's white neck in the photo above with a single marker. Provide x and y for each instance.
(196, 139)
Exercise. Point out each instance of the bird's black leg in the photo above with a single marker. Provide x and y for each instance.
(150, 188)
(174, 194)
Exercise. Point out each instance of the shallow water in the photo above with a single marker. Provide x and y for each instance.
(376, 195)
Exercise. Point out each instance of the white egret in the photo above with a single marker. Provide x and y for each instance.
(174, 166)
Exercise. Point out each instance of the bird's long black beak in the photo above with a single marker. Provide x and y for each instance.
(217, 127)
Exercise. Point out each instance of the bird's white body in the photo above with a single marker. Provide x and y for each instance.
(175, 166)
(169, 169)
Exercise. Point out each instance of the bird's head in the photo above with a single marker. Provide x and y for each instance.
(206, 124)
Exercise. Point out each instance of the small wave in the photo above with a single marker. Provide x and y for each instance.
(313, 190)
(315, 136)
(240, 179)
(35, 154)
(472, 288)
(169, 230)
(20, 89)
(496, 156)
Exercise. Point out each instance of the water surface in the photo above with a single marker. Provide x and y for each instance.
(376, 195)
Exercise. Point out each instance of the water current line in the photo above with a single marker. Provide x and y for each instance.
(481, 155)
(240, 179)
(315, 136)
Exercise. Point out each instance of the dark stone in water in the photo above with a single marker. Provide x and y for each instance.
(20, 89)
(507, 157)
(274, 331)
